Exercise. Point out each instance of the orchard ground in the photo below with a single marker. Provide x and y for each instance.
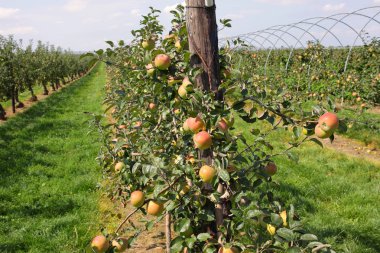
(49, 177)
(49, 180)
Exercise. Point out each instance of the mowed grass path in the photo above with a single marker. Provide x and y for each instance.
(337, 197)
(48, 173)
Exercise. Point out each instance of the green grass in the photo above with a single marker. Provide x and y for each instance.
(338, 197)
(48, 173)
(366, 128)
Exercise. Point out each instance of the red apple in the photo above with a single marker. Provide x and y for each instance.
(152, 106)
(202, 140)
(328, 122)
(100, 244)
(270, 169)
(223, 126)
(162, 61)
(195, 124)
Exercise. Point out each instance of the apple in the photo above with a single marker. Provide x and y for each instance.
(228, 250)
(154, 208)
(152, 106)
(328, 122)
(270, 169)
(230, 120)
(186, 81)
(172, 81)
(354, 94)
(119, 166)
(195, 124)
(358, 99)
(182, 92)
(202, 140)
(186, 126)
(162, 61)
(223, 126)
(207, 173)
(169, 36)
(137, 198)
(148, 44)
(120, 244)
(138, 124)
(178, 45)
(100, 244)
(150, 69)
(185, 189)
(363, 105)
(122, 127)
(319, 132)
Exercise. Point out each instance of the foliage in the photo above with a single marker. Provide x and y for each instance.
(161, 160)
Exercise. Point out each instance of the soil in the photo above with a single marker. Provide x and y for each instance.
(353, 148)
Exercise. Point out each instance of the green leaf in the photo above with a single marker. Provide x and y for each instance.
(292, 156)
(203, 237)
(315, 140)
(309, 237)
(254, 213)
(176, 245)
(285, 233)
(294, 250)
(276, 219)
(110, 43)
(224, 175)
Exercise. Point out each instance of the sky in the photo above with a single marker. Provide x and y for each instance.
(83, 25)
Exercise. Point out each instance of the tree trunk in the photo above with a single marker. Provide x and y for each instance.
(13, 100)
(2, 113)
(203, 45)
(19, 103)
(52, 86)
(33, 97)
(46, 91)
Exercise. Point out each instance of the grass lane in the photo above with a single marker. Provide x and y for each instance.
(48, 172)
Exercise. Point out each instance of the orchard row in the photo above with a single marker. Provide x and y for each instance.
(23, 67)
(171, 149)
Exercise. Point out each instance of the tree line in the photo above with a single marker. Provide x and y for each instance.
(23, 67)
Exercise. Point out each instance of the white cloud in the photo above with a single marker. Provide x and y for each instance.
(169, 8)
(7, 12)
(75, 5)
(18, 30)
(136, 12)
(376, 1)
(334, 7)
(283, 2)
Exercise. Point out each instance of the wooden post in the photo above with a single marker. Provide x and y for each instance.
(203, 44)
(168, 232)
